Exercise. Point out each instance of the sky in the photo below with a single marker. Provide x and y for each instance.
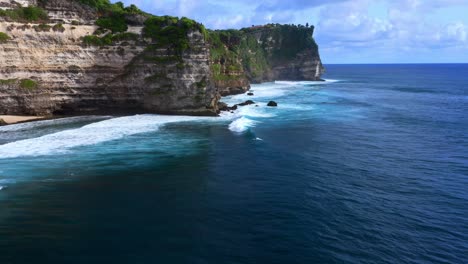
(347, 31)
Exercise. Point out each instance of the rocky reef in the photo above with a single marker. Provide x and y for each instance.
(67, 57)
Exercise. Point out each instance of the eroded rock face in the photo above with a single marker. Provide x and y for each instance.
(290, 52)
(10, 4)
(68, 11)
(264, 54)
(173, 86)
(49, 72)
(70, 77)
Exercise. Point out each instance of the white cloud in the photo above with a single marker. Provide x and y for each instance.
(408, 30)
(353, 29)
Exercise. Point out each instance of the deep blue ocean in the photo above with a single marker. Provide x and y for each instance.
(368, 167)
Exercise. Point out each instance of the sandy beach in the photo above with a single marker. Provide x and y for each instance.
(10, 119)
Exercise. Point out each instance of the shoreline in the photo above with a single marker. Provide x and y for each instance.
(16, 119)
(6, 120)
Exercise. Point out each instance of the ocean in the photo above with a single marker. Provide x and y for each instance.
(370, 166)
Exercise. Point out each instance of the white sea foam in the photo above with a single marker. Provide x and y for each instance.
(241, 125)
(117, 128)
(91, 134)
(1, 188)
(304, 83)
(253, 111)
(270, 91)
(266, 91)
(287, 82)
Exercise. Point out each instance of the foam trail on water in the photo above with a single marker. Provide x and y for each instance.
(331, 80)
(91, 134)
(287, 82)
(252, 111)
(241, 125)
(304, 83)
(265, 91)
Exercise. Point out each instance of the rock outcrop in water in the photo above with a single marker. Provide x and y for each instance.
(66, 57)
(272, 104)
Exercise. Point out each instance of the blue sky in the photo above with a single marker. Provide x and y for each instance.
(347, 31)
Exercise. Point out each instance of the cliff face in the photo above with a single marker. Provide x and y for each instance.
(264, 54)
(65, 57)
(76, 67)
(164, 82)
(63, 75)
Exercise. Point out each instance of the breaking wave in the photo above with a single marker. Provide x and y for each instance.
(91, 134)
(241, 125)
(241, 120)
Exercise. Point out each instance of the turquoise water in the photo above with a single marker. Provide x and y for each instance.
(368, 167)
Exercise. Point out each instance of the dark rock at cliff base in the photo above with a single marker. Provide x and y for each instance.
(2, 122)
(223, 107)
(228, 88)
(250, 94)
(248, 102)
(272, 104)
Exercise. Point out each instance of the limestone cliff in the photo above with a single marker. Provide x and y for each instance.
(83, 56)
(263, 54)
(65, 64)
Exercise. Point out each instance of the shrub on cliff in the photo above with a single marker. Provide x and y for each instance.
(171, 31)
(7, 81)
(29, 14)
(42, 28)
(28, 84)
(98, 4)
(113, 16)
(97, 41)
(34, 13)
(23, 83)
(58, 28)
(114, 22)
(4, 37)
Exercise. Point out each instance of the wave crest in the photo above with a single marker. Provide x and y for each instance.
(241, 125)
(91, 134)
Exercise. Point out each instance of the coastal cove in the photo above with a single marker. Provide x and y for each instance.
(80, 57)
(366, 167)
(131, 137)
